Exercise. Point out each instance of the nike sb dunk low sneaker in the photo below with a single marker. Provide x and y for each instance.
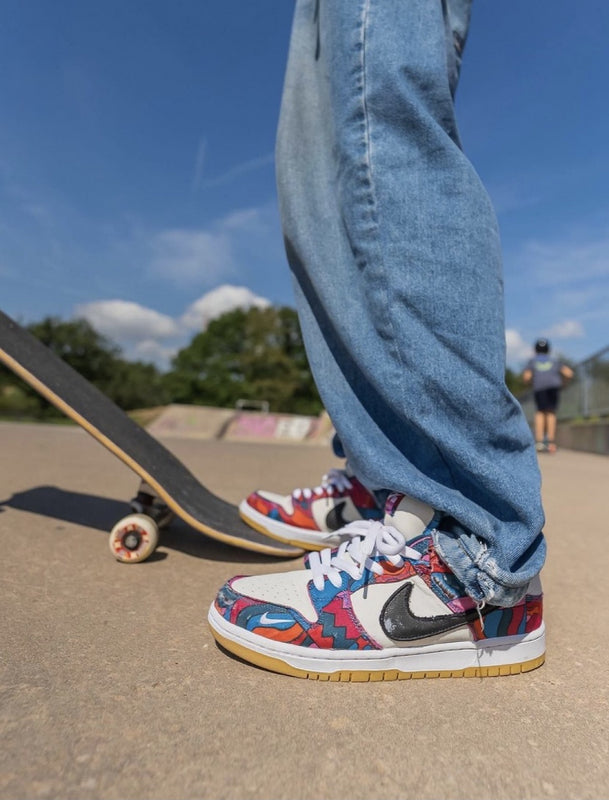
(310, 518)
(381, 606)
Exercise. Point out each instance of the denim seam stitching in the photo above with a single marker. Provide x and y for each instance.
(374, 214)
(370, 182)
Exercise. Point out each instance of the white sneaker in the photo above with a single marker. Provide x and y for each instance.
(382, 606)
(309, 518)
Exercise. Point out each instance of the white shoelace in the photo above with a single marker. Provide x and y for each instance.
(355, 555)
(334, 480)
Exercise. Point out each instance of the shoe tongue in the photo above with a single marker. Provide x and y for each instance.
(411, 517)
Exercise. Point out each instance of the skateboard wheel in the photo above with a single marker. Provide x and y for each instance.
(134, 538)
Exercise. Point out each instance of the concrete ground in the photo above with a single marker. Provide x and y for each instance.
(111, 685)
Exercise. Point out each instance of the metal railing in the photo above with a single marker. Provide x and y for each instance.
(585, 396)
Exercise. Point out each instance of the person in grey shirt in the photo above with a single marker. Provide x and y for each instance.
(546, 372)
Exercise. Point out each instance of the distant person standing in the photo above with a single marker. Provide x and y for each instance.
(547, 373)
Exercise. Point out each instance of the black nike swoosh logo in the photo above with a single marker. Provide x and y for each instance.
(335, 519)
(401, 625)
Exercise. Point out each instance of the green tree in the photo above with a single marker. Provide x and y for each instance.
(77, 343)
(135, 384)
(515, 383)
(96, 358)
(256, 354)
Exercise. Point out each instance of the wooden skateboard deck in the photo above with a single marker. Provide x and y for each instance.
(83, 402)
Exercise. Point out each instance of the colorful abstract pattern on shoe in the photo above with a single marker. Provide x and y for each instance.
(492, 622)
(302, 515)
(337, 626)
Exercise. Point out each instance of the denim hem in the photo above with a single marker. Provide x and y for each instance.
(483, 580)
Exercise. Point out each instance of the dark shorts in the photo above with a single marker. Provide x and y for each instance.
(546, 400)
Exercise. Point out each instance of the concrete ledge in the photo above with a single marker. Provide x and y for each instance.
(587, 437)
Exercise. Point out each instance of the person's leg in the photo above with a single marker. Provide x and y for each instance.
(394, 248)
(551, 408)
(293, 518)
(551, 430)
(551, 425)
(540, 426)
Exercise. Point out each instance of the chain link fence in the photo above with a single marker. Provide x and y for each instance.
(585, 397)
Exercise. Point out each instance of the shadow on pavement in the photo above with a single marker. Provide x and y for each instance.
(102, 513)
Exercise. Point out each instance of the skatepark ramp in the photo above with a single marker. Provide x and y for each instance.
(190, 422)
(203, 422)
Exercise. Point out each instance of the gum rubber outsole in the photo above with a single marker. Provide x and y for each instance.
(293, 542)
(367, 676)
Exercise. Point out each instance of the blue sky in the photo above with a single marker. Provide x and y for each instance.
(136, 163)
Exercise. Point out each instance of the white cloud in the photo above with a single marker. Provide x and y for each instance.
(147, 335)
(517, 350)
(217, 302)
(192, 256)
(559, 288)
(246, 220)
(570, 261)
(568, 329)
(122, 320)
(212, 254)
(150, 350)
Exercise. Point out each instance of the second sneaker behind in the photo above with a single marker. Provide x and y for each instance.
(311, 518)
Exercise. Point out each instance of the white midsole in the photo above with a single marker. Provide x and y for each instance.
(287, 533)
(496, 652)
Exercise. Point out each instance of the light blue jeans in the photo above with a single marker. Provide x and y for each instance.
(394, 247)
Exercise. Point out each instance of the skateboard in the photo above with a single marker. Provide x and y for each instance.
(134, 537)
